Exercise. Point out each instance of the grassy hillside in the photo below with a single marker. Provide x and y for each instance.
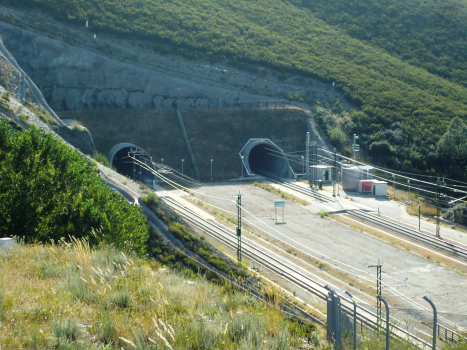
(429, 33)
(280, 34)
(68, 296)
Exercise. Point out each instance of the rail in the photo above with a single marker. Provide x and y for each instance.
(366, 317)
(421, 237)
(308, 192)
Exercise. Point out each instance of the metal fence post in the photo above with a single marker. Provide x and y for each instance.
(387, 320)
(435, 317)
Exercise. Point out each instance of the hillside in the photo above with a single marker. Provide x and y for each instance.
(280, 35)
(69, 296)
(429, 34)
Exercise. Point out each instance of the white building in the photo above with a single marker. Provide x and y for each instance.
(323, 173)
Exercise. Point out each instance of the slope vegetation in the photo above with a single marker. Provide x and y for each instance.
(429, 33)
(290, 37)
(49, 191)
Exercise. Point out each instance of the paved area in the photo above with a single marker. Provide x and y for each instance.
(353, 251)
(395, 211)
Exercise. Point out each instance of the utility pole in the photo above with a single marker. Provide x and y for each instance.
(334, 172)
(439, 196)
(308, 156)
(183, 161)
(239, 227)
(394, 185)
(242, 157)
(134, 166)
(315, 169)
(211, 168)
(355, 147)
(140, 157)
(314, 158)
(378, 290)
(408, 200)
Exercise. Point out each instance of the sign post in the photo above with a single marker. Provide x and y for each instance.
(279, 204)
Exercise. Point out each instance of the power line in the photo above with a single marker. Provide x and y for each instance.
(329, 258)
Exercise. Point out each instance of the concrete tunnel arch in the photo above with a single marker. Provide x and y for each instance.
(118, 158)
(262, 156)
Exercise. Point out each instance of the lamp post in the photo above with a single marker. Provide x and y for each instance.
(354, 320)
(387, 320)
(152, 174)
(408, 200)
(303, 162)
(211, 169)
(435, 316)
(338, 183)
(242, 167)
(183, 161)
(419, 217)
(354, 147)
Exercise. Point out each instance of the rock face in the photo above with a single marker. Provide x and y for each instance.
(22, 89)
(71, 78)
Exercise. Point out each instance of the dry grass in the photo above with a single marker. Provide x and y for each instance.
(67, 296)
(426, 206)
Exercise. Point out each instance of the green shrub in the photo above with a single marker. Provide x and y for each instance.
(24, 118)
(49, 191)
(101, 158)
(323, 213)
(6, 96)
(150, 199)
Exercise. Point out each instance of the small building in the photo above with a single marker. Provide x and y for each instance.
(375, 187)
(351, 174)
(365, 186)
(380, 188)
(323, 173)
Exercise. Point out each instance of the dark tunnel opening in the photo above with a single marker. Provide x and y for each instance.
(124, 165)
(268, 161)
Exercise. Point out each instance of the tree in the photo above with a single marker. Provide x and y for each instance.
(453, 144)
(452, 149)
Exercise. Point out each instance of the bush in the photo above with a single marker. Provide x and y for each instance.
(380, 149)
(101, 158)
(24, 118)
(49, 191)
(151, 199)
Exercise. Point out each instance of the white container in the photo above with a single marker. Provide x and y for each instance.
(6, 243)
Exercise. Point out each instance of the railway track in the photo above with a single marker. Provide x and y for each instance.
(309, 192)
(426, 239)
(287, 270)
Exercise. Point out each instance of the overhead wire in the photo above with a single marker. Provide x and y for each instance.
(319, 259)
(380, 169)
(403, 184)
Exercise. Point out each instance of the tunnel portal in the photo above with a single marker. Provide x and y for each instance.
(118, 158)
(262, 156)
